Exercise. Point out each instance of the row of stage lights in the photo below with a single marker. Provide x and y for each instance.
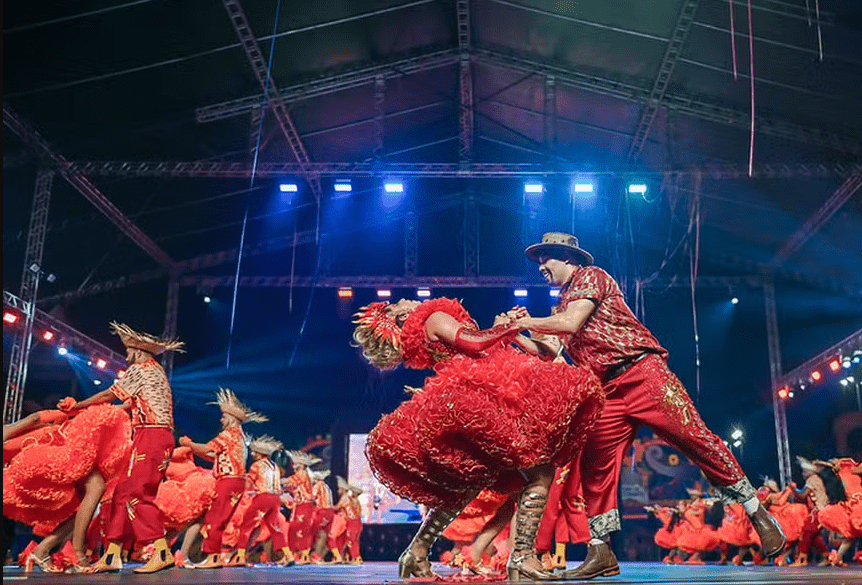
(833, 366)
(49, 335)
(422, 292)
(530, 187)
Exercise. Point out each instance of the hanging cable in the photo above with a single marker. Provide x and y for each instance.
(694, 257)
(732, 39)
(751, 77)
(819, 36)
(250, 188)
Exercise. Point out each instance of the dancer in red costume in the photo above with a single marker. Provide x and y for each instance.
(324, 512)
(479, 525)
(346, 528)
(696, 536)
(813, 493)
(565, 519)
(790, 515)
(667, 536)
(184, 497)
(145, 386)
(601, 334)
(227, 451)
(56, 474)
(301, 536)
(843, 515)
(264, 478)
(488, 412)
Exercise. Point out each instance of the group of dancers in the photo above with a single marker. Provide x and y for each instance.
(61, 466)
(830, 501)
(504, 427)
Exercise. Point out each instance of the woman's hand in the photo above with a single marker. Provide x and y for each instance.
(185, 441)
(67, 404)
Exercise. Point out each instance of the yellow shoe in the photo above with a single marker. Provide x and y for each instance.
(161, 559)
(304, 557)
(211, 562)
(235, 559)
(110, 562)
(356, 561)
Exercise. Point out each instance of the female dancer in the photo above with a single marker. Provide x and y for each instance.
(489, 412)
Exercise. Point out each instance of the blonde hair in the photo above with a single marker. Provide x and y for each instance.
(379, 352)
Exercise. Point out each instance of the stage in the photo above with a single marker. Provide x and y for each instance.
(379, 573)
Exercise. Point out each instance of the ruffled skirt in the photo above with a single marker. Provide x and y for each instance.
(478, 421)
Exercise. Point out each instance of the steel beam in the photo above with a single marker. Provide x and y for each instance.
(379, 114)
(820, 217)
(23, 339)
(84, 186)
(665, 71)
(800, 374)
(684, 104)
(172, 309)
(465, 84)
(327, 84)
(238, 170)
(411, 244)
(778, 408)
(273, 97)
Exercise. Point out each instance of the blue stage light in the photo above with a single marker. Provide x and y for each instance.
(534, 187)
(393, 187)
(288, 187)
(520, 292)
(62, 350)
(343, 186)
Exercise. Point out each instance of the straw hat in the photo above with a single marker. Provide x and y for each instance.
(303, 458)
(770, 483)
(807, 465)
(343, 485)
(555, 243)
(265, 445)
(144, 341)
(229, 403)
(319, 475)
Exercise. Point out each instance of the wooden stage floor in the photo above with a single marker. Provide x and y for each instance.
(380, 573)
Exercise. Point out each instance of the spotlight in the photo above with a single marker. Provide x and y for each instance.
(844, 382)
(734, 301)
(784, 392)
(384, 293)
(639, 188)
(343, 186)
(816, 375)
(582, 188)
(288, 187)
(97, 382)
(62, 350)
(101, 364)
(737, 443)
(520, 292)
(121, 373)
(846, 361)
(9, 317)
(35, 268)
(207, 299)
(345, 292)
(534, 187)
(51, 278)
(48, 335)
(736, 434)
(393, 187)
(851, 379)
(555, 292)
(89, 363)
(423, 293)
(834, 364)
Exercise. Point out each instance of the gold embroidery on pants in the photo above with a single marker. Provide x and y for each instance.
(674, 395)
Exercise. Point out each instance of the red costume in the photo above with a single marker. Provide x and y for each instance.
(639, 390)
(229, 471)
(146, 387)
(265, 508)
(481, 417)
(667, 536)
(187, 492)
(346, 526)
(301, 537)
(43, 480)
(696, 535)
(565, 518)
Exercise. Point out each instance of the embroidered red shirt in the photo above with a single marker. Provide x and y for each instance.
(146, 386)
(321, 494)
(230, 452)
(349, 507)
(264, 477)
(612, 334)
(299, 486)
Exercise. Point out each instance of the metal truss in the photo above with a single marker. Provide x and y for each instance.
(23, 339)
(820, 217)
(238, 170)
(411, 244)
(333, 83)
(801, 374)
(684, 104)
(67, 335)
(549, 117)
(80, 182)
(172, 309)
(465, 84)
(362, 281)
(778, 407)
(665, 71)
(471, 237)
(274, 99)
(379, 114)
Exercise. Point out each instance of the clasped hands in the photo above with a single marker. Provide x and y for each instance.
(512, 316)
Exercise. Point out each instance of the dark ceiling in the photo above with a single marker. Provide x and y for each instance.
(561, 84)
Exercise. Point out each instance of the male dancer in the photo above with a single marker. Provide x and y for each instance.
(134, 509)
(601, 333)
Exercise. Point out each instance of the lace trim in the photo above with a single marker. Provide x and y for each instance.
(605, 523)
(737, 493)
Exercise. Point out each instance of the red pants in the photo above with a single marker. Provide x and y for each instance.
(228, 494)
(353, 532)
(134, 507)
(565, 518)
(649, 394)
(301, 535)
(322, 520)
(264, 509)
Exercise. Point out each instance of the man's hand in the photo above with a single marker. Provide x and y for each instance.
(185, 441)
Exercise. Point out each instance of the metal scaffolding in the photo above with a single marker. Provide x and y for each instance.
(778, 407)
(172, 308)
(23, 338)
(465, 84)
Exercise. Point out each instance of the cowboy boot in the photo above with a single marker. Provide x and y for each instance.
(600, 561)
(528, 517)
(772, 538)
(412, 565)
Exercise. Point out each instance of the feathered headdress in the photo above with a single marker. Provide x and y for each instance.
(144, 341)
(376, 318)
(807, 465)
(303, 458)
(265, 445)
(229, 403)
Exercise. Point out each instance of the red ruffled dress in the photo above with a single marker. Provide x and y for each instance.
(845, 517)
(42, 485)
(186, 493)
(479, 419)
(666, 537)
(696, 535)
